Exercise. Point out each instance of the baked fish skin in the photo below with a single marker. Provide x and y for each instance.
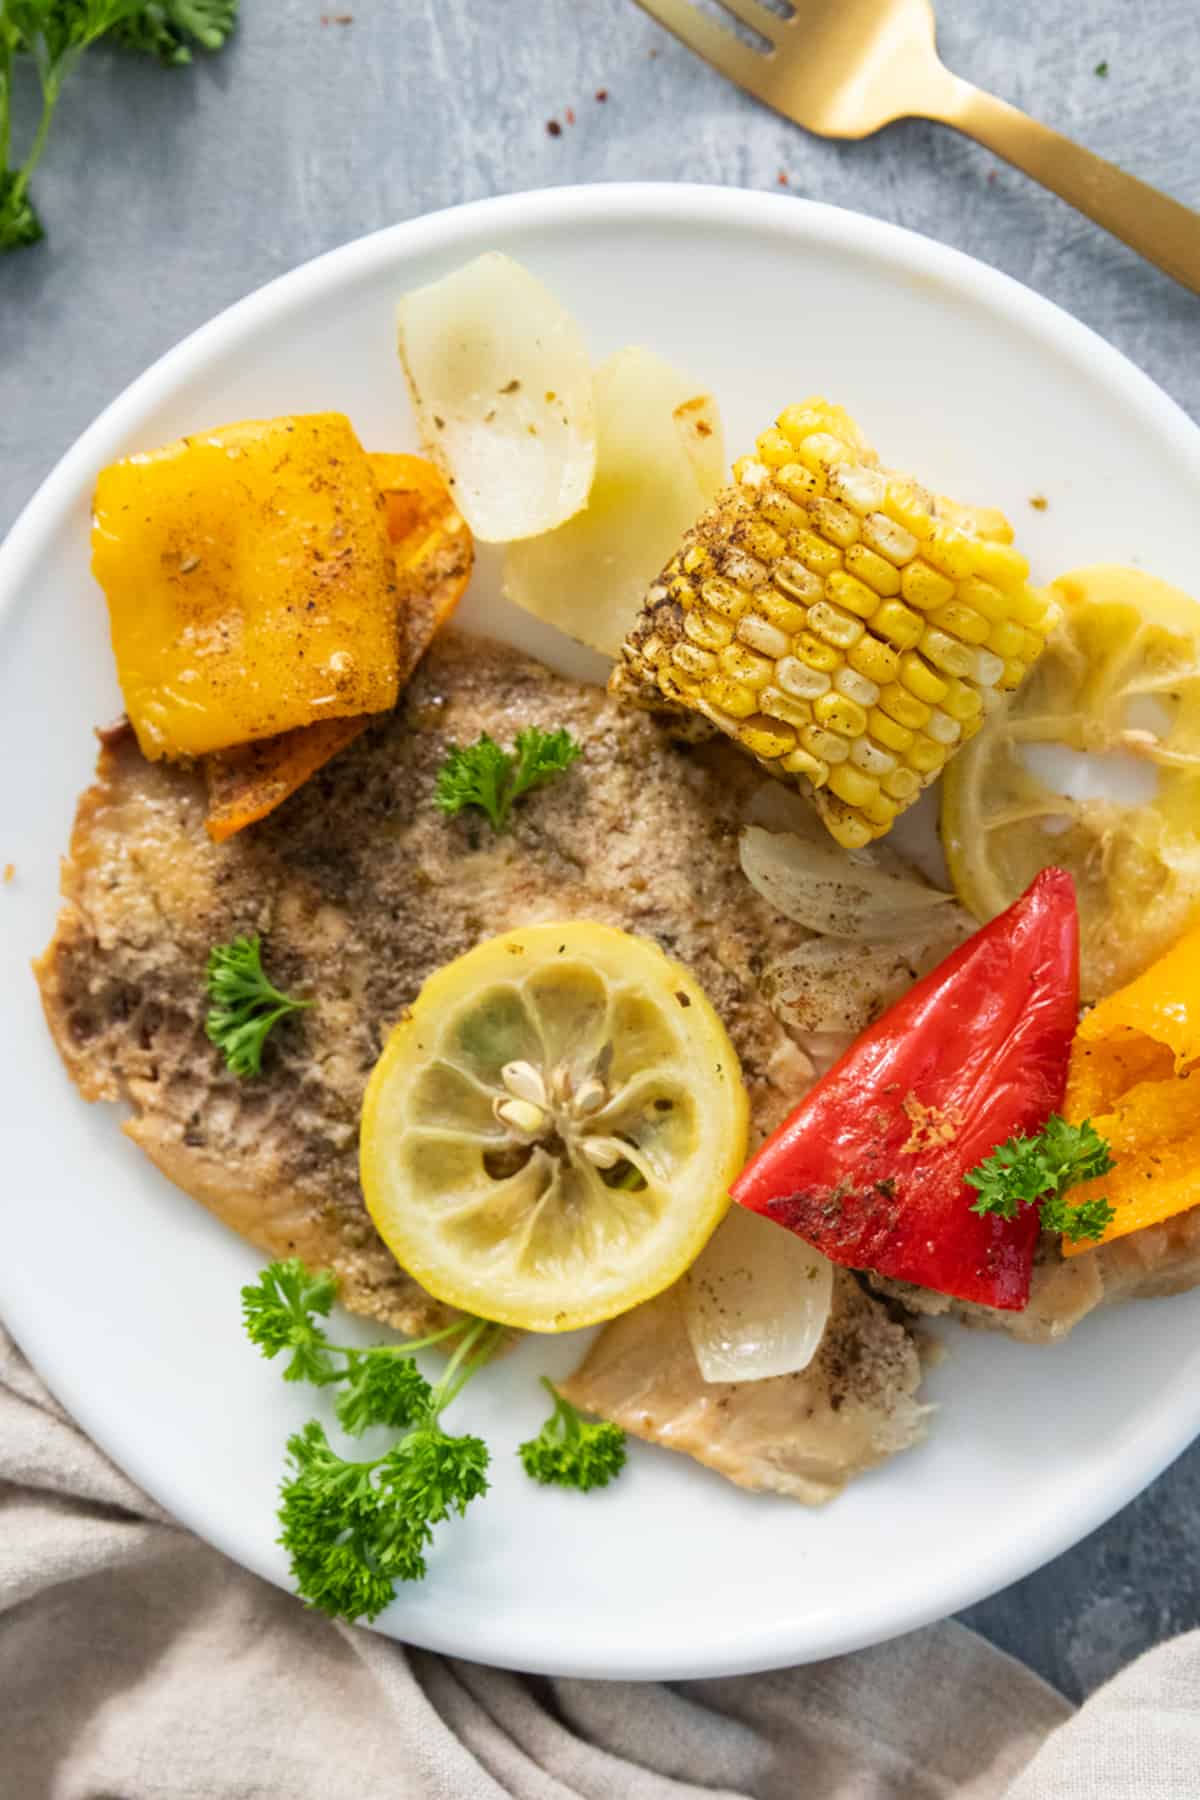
(361, 888)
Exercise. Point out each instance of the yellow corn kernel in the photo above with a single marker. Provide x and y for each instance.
(681, 589)
(924, 587)
(708, 630)
(902, 706)
(1001, 565)
(902, 784)
(987, 667)
(732, 698)
(946, 653)
(1014, 674)
(961, 622)
(778, 705)
(762, 736)
(878, 574)
(801, 483)
(774, 449)
(836, 627)
(971, 726)
(800, 762)
(799, 422)
(846, 826)
(817, 655)
(783, 513)
(694, 662)
(925, 755)
(827, 745)
(986, 599)
(796, 581)
(876, 660)
(1032, 645)
(1006, 638)
(887, 731)
(724, 597)
(834, 522)
(951, 552)
(906, 505)
(856, 687)
(762, 540)
(852, 786)
(868, 757)
(840, 714)
(859, 488)
(942, 728)
(845, 591)
(821, 450)
(750, 473)
(784, 613)
(759, 634)
(1030, 609)
(899, 624)
(881, 810)
(800, 679)
(816, 555)
(888, 539)
(920, 680)
(961, 701)
(746, 666)
(695, 558)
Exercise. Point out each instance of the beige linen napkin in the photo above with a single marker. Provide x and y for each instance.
(138, 1664)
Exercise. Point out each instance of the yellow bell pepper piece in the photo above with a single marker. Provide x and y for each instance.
(1135, 1072)
(250, 583)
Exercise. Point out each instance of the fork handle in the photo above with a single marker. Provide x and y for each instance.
(1150, 222)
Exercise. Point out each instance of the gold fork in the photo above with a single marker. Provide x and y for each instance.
(845, 68)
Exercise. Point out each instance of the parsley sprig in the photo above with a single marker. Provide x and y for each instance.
(245, 1005)
(1039, 1170)
(571, 1450)
(353, 1529)
(484, 775)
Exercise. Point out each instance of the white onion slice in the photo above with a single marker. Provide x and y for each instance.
(831, 986)
(836, 892)
(502, 387)
(660, 461)
(757, 1300)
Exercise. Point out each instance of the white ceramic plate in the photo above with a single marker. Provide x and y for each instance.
(125, 1293)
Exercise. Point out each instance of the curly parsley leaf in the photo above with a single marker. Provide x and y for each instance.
(277, 1314)
(245, 1004)
(571, 1450)
(166, 29)
(1028, 1171)
(484, 775)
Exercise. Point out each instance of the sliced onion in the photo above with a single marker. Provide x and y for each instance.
(502, 387)
(660, 460)
(830, 988)
(840, 893)
(757, 1300)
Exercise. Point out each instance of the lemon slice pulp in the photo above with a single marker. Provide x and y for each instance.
(1095, 766)
(550, 1134)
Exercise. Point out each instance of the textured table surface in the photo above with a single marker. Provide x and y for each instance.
(169, 195)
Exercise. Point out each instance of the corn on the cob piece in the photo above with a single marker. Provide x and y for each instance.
(844, 625)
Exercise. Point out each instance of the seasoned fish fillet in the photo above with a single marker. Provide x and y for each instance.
(804, 1435)
(361, 888)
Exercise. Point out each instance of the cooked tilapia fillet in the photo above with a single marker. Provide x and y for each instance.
(361, 888)
(804, 1435)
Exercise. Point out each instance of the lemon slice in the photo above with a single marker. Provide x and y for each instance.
(1095, 766)
(551, 1133)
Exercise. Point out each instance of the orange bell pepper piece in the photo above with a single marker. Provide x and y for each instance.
(433, 557)
(1135, 1072)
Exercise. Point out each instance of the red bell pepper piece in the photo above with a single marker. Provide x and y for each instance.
(870, 1166)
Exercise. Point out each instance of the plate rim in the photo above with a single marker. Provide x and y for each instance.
(1157, 1439)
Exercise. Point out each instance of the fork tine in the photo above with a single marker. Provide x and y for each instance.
(760, 18)
(727, 54)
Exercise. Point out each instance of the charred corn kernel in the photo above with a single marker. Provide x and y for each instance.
(854, 595)
(841, 629)
(874, 659)
(868, 757)
(856, 687)
(692, 661)
(961, 621)
(925, 754)
(759, 634)
(852, 786)
(902, 706)
(707, 631)
(746, 666)
(1006, 638)
(762, 736)
(811, 768)
(831, 748)
(834, 522)
(844, 716)
(887, 731)
(854, 616)
(919, 679)
(946, 653)
(778, 705)
(774, 448)
(873, 570)
(817, 655)
(902, 785)
(899, 624)
(799, 679)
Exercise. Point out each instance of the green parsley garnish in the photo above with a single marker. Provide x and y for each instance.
(1100, 69)
(245, 1004)
(353, 1529)
(572, 1451)
(1027, 1171)
(493, 779)
(54, 35)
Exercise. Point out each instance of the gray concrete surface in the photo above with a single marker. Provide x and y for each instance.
(169, 195)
